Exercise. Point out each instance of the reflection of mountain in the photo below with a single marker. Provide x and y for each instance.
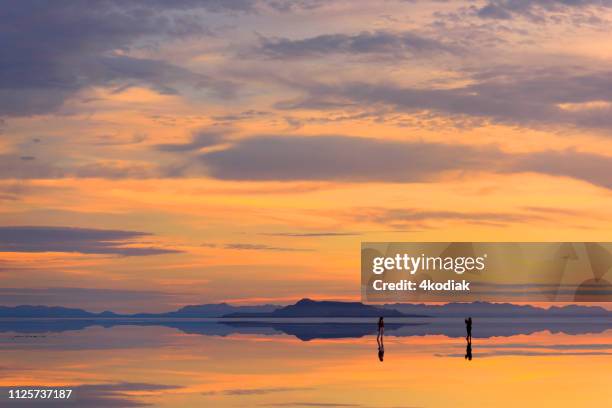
(326, 330)
(485, 309)
(446, 327)
(312, 308)
(504, 327)
(306, 329)
(210, 328)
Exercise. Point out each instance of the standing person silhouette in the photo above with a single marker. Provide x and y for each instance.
(468, 338)
(468, 329)
(379, 338)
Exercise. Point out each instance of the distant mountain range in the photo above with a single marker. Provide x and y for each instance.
(325, 308)
(321, 309)
(27, 311)
(193, 311)
(211, 310)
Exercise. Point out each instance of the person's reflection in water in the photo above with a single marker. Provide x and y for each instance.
(468, 338)
(379, 339)
(381, 351)
(468, 350)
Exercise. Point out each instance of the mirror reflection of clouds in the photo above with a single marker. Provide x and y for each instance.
(168, 367)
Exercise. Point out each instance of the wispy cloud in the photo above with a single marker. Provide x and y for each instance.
(401, 217)
(499, 94)
(13, 167)
(534, 9)
(310, 234)
(255, 391)
(527, 353)
(262, 247)
(203, 138)
(310, 404)
(377, 43)
(578, 346)
(81, 240)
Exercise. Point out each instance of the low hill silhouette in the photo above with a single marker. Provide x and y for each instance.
(50, 312)
(210, 310)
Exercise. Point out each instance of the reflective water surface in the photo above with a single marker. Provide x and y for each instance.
(306, 363)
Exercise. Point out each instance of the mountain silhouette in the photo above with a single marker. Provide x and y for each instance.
(192, 311)
(28, 311)
(210, 310)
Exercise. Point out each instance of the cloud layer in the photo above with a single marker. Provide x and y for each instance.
(533, 9)
(376, 43)
(355, 159)
(81, 240)
(501, 95)
(50, 52)
(340, 158)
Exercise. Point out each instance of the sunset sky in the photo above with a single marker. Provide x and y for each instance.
(156, 154)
